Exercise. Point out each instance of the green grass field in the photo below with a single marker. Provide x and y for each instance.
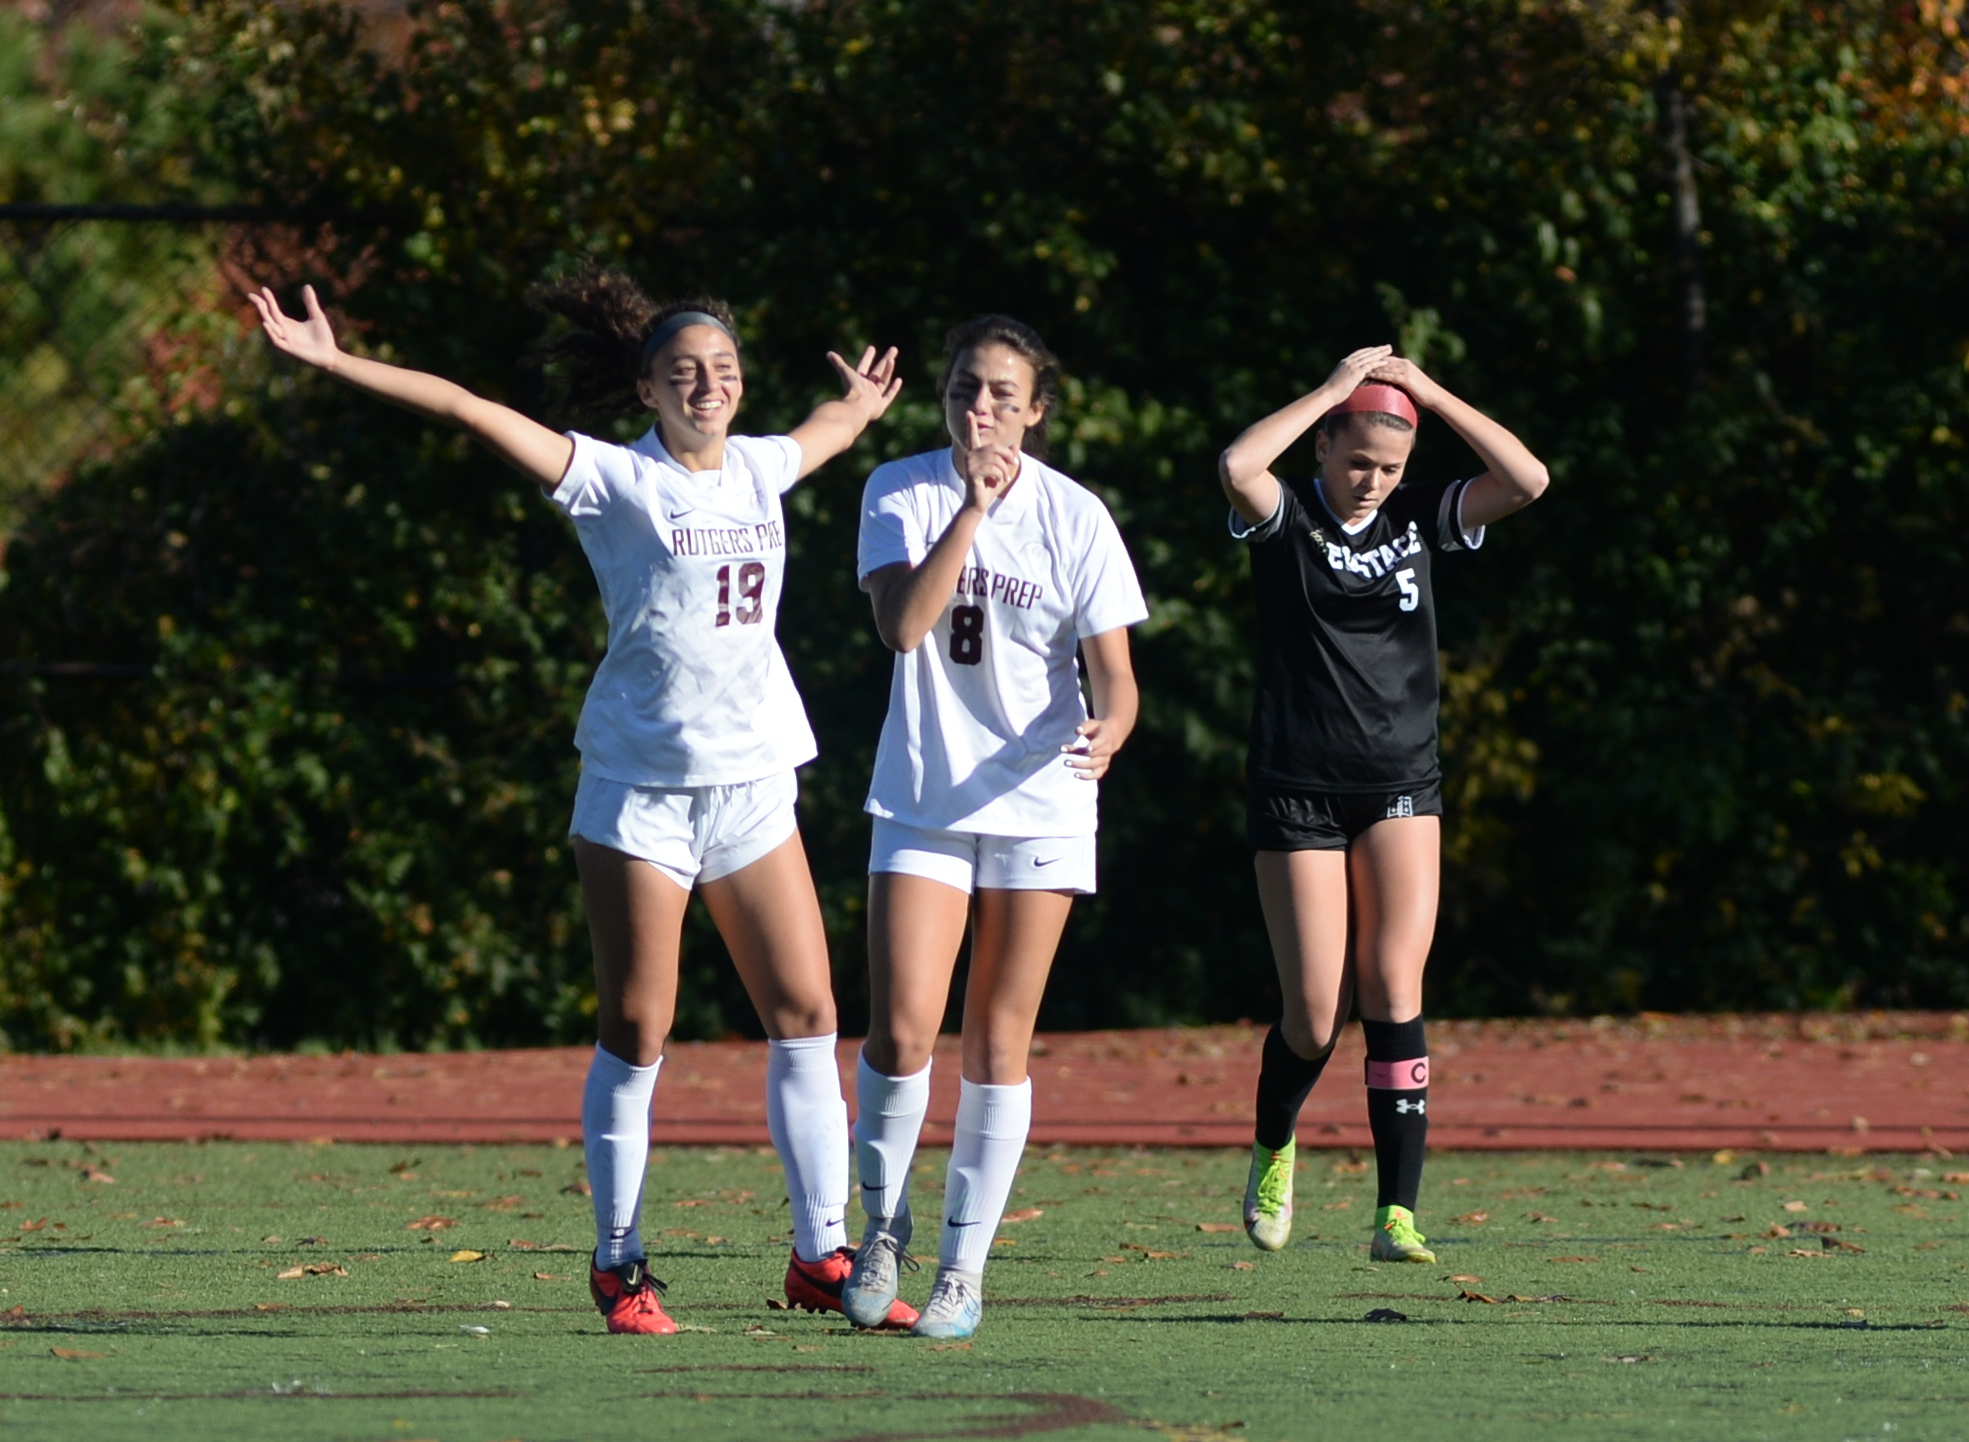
(368, 1292)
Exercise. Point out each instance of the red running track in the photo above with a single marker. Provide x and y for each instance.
(1874, 1082)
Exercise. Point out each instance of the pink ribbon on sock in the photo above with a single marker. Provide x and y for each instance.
(1399, 1076)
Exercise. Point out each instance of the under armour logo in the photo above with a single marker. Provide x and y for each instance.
(1402, 806)
(1405, 1106)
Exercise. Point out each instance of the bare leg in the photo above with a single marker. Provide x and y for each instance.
(770, 919)
(1304, 896)
(1017, 933)
(1395, 873)
(635, 923)
(915, 927)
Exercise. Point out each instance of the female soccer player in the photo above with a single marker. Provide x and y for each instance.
(1344, 801)
(689, 734)
(987, 569)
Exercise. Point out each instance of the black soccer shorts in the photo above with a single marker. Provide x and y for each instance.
(1278, 820)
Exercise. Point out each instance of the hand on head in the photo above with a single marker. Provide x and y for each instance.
(988, 469)
(311, 340)
(871, 385)
(1396, 371)
(1355, 368)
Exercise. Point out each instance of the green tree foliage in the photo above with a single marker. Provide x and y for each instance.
(1704, 720)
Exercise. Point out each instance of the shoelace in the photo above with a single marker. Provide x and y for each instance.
(1273, 1184)
(904, 1260)
(948, 1295)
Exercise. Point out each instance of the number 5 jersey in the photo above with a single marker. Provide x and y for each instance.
(1347, 685)
(693, 690)
(979, 710)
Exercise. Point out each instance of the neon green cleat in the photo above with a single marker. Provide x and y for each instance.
(1268, 1197)
(1395, 1237)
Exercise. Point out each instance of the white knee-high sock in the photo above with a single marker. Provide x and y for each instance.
(889, 1112)
(615, 1106)
(992, 1122)
(809, 1125)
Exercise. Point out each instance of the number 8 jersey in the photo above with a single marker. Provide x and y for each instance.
(693, 690)
(979, 710)
(1347, 685)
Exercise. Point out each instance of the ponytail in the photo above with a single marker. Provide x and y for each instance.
(599, 360)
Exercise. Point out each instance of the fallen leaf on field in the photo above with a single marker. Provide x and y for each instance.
(1473, 1219)
(1572, 1259)
(269, 1306)
(1629, 1358)
(97, 1174)
(1462, 1277)
(1004, 1242)
(1466, 1295)
(35, 1226)
(521, 1246)
(76, 1354)
(717, 1241)
(1777, 1232)
(1794, 1206)
(503, 1204)
(430, 1224)
(17, 1310)
(165, 1222)
(272, 1241)
(1955, 1176)
(325, 1269)
(1801, 1252)
(1836, 1244)
(1637, 1269)
(1024, 1214)
(1114, 1259)
(1243, 1266)
(755, 1330)
(476, 1331)
(577, 1189)
(806, 1349)
(951, 1347)
(466, 1254)
(1263, 1316)
(693, 1202)
(1539, 1217)
(1218, 1227)
(291, 1273)
(776, 1304)
(548, 1277)
(1339, 1206)
(367, 1257)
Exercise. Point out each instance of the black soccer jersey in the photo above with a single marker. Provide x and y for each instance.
(1347, 684)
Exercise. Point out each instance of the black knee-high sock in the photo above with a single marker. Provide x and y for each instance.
(1397, 1106)
(1285, 1080)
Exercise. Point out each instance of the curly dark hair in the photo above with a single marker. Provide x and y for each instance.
(598, 362)
(1023, 341)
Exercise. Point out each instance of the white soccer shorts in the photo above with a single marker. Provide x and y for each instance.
(691, 833)
(966, 860)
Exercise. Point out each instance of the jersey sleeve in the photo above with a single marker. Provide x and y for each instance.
(891, 524)
(1109, 593)
(776, 459)
(1437, 510)
(597, 475)
(1256, 533)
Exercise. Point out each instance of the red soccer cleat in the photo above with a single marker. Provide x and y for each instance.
(816, 1287)
(630, 1299)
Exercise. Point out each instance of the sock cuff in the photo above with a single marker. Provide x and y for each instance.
(801, 1053)
(1395, 1040)
(863, 1069)
(616, 1072)
(995, 1111)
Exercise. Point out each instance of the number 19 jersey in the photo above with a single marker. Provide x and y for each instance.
(979, 710)
(693, 690)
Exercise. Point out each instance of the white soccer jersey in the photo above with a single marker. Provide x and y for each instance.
(979, 711)
(693, 690)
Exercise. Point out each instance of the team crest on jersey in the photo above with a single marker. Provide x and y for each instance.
(1401, 806)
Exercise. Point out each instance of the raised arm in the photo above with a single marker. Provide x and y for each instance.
(1513, 477)
(525, 445)
(831, 429)
(909, 599)
(1117, 701)
(1245, 468)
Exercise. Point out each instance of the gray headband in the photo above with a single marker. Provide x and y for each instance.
(682, 320)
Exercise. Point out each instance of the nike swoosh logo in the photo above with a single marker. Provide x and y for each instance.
(949, 1223)
(1048, 861)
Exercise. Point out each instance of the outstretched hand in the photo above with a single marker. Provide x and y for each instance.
(1408, 375)
(988, 469)
(311, 340)
(872, 385)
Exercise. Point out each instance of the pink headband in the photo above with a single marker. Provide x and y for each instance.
(1375, 396)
